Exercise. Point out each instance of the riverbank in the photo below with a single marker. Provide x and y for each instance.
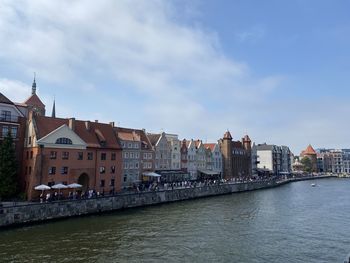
(23, 214)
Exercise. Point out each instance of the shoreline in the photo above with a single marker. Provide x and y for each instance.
(22, 215)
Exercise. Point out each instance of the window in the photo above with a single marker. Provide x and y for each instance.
(149, 156)
(27, 155)
(145, 165)
(65, 155)
(126, 165)
(137, 165)
(52, 170)
(64, 140)
(131, 166)
(26, 171)
(102, 183)
(102, 169)
(136, 145)
(113, 156)
(90, 156)
(131, 155)
(30, 170)
(14, 132)
(112, 169)
(149, 165)
(112, 182)
(126, 155)
(53, 155)
(129, 145)
(29, 140)
(125, 177)
(5, 131)
(137, 155)
(103, 156)
(64, 170)
(80, 156)
(145, 155)
(123, 144)
(6, 115)
(31, 154)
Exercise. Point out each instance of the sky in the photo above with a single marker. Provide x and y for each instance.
(276, 70)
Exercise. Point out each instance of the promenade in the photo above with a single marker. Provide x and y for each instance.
(16, 214)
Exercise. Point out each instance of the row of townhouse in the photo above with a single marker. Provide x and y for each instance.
(333, 161)
(107, 158)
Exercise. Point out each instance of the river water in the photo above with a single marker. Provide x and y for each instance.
(290, 223)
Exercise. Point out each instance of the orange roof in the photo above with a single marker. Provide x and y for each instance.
(34, 100)
(210, 146)
(309, 151)
(96, 134)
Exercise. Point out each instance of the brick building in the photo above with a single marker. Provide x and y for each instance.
(236, 156)
(71, 151)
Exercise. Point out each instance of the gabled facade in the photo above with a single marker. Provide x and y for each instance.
(214, 157)
(138, 155)
(162, 151)
(175, 151)
(71, 151)
(200, 155)
(192, 159)
(184, 156)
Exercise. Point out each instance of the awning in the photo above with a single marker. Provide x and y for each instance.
(209, 172)
(151, 174)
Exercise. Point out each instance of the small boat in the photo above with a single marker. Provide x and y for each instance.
(313, 185)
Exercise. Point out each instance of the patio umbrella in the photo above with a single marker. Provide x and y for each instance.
(74, 185)
(42, 187)
(59, 186)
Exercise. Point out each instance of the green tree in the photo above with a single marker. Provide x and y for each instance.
(307, 164)
(8, 168)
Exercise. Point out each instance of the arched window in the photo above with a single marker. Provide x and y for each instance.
(64, 140)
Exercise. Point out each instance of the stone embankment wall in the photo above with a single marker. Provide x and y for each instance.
(37, 212)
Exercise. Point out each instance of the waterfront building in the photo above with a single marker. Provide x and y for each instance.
(214, 158)
(175, 151)
(192, 159)
(236, 156)
(184, 155)
(71, 151)
(276, 159)
(138, 155)
(162, 151)
(13, 121)
(310, 153)
(200, 155)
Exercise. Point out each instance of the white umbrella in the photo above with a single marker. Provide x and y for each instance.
(42, 187)
(74, 185)
(59, 186)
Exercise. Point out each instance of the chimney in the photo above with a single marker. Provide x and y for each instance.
(112, 124)
(72, 124)
(87, 125)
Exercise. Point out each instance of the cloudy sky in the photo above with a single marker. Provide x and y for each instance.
(277, 70)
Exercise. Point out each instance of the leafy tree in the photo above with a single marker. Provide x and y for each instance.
(307, 164)
(8, 168)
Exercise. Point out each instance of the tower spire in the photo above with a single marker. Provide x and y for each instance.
(53, 115)
(34, 86)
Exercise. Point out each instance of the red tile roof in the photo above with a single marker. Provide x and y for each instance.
(34, 100)
(4, 99)
(99, 135)
(210, 146)
(309, 151)
(129, 134)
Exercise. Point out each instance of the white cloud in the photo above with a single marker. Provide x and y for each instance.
(179, 77)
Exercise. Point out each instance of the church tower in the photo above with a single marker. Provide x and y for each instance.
(33, 103)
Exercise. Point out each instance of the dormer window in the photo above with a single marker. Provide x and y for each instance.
(64, 140)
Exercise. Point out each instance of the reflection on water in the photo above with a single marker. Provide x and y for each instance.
(292, 223)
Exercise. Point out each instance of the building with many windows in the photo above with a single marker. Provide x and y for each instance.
(71, 151)
(138, 155)
(175, 151)
(162, 151)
